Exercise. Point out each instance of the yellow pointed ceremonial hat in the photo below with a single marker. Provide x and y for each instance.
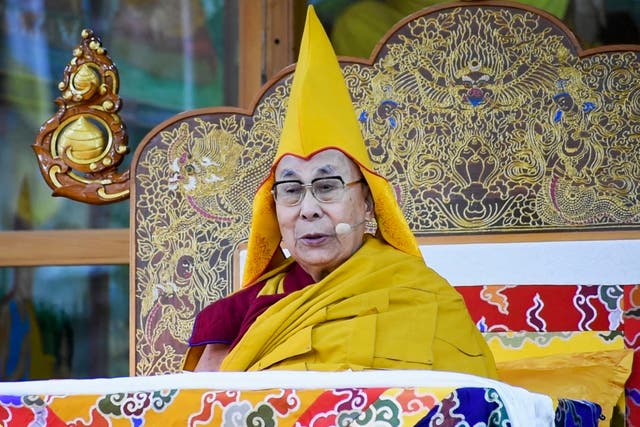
(320, 116)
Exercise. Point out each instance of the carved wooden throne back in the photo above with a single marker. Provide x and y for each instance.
(487, 118)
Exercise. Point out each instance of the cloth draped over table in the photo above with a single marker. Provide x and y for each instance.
(390, 398)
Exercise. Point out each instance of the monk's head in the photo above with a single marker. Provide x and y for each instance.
(322, 204)
(320, 133)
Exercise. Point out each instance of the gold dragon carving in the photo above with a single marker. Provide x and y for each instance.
(487, 120)
(194, 190)
(81, 146)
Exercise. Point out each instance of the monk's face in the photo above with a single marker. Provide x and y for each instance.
(308, 227)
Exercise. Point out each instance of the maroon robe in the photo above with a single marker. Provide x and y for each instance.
(225, 321)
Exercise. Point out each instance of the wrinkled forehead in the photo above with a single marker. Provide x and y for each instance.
(325, 163)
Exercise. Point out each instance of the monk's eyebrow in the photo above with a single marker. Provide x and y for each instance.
(326, 170)
(288, 173)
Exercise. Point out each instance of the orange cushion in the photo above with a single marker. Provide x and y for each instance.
(595, 376)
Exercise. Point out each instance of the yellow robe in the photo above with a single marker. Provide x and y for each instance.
(381, 309)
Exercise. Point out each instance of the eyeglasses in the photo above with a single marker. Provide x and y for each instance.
(325, 190)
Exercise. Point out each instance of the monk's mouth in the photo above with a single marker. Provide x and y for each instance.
(314, 239)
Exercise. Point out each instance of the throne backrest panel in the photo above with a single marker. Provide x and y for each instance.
(485, 117)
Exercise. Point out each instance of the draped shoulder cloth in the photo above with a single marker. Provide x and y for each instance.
(382, 308)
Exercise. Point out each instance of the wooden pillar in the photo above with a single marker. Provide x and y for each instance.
(267, 42)
(250, 61)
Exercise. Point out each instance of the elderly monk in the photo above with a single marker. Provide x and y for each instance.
(344, 298)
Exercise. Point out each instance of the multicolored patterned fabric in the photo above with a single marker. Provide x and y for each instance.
(278, 407)
(576, 413)
(462, 407)
(533, 320)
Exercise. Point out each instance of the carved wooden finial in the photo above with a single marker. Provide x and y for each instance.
(81, 146)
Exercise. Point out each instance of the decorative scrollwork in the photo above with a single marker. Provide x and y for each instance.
(81, 146)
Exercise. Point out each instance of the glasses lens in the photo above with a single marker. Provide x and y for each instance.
(327, 189)
(289, 193)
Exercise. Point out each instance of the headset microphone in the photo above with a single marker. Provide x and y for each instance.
(344, 228)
